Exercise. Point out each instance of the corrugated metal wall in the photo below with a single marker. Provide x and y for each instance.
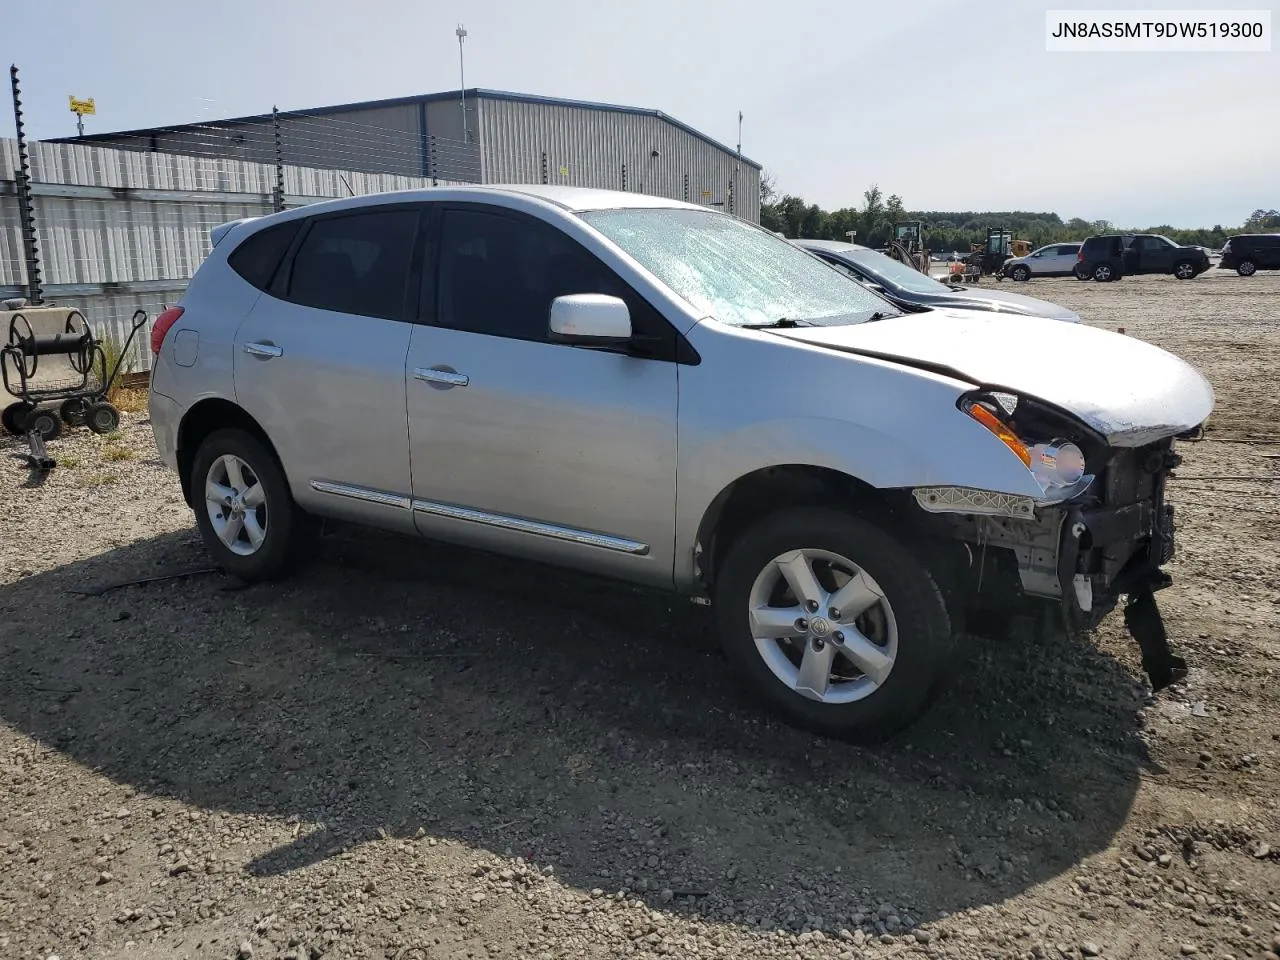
(589, 147)
(121, 230)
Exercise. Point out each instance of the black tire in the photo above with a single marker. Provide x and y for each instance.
(287, 528)
(14, 418)
(925, 641)
(1104, 273)
(45, 422)
(1185, 270)
(102, 417)
(1021, 273)
(74, 412)
(1246, 268)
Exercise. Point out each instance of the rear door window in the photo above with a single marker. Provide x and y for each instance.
(257, 258)
(356, 263)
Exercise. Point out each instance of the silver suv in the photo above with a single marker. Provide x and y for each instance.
(665, 394)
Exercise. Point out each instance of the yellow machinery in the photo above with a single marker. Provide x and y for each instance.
(987, 259)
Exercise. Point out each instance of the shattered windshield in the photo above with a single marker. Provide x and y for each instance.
(736, 272)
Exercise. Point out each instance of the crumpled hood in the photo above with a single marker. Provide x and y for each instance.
(999, 301)
(1129, 391)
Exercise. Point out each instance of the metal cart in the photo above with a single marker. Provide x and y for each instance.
(51, 357)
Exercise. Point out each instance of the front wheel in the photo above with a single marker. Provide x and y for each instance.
(832, 622)
(1080, 272)
(1184, 270)
(244, 509)
(14, 418)
(1021, 273)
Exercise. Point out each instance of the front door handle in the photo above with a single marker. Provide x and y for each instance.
(263, 350)
(445, 377)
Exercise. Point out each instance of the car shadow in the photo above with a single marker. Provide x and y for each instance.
(399, 689)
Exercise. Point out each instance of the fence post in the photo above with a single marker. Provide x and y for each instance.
(278, 199)
(26, 213)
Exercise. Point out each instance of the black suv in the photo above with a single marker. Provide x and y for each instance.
(1113, 256)
(1250, 252)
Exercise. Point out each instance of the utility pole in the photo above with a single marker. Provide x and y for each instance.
(461, 34)
(737, 167)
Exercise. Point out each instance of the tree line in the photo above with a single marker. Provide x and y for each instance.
(955, 230)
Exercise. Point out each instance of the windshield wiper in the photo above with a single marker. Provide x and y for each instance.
(781, 322)
(881, 315)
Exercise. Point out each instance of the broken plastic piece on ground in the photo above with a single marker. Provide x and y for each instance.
(1142, 618)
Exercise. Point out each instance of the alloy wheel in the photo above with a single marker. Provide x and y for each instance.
(236, 504)
(823, 626)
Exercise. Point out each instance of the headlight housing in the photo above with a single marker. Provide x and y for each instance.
(1060, 465)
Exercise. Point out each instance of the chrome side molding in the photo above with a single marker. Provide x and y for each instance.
(451, 511)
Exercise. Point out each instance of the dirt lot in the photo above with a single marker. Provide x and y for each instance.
(408, 752)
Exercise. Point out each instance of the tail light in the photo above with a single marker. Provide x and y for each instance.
(1080, 255)
(161, 327)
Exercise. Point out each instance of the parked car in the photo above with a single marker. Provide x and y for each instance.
(1247, 253)
(912, 290)
(664, 394)
(1112, 256)
(1053, 260)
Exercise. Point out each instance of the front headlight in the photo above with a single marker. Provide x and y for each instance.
(1058, 463)
(1059, 466)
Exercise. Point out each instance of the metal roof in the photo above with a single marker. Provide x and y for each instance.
(474, 93)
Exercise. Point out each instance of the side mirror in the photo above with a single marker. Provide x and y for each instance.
(590, 319)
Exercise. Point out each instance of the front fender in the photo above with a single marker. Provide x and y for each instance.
(949, 449)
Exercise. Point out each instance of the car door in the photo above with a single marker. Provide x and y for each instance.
(319, 362)
(526, 446)
(1155, 255)
(1062, 259)
(1267, 252)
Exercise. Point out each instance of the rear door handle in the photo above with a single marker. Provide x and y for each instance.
(446, 377)
(264, 350)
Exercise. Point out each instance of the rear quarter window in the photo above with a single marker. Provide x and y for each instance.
(258, 257)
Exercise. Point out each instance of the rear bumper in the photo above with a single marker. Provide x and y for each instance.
(166, 414)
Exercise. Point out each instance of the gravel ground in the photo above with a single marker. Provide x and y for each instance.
(415, 752)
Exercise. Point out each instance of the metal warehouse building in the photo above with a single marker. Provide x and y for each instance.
(507, 138)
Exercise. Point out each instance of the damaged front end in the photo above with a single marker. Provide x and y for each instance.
(1102, 530)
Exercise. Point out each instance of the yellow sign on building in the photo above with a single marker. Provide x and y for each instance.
(84, 108)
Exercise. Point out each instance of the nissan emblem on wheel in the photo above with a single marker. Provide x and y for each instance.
(668, 395)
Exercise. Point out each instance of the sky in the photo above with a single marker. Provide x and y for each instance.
(951, 105)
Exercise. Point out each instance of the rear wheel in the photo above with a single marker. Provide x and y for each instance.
(832, 622)
(75, 411)
(244, 510)
(1104, 273)
(102, 417)
(1246, 268)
